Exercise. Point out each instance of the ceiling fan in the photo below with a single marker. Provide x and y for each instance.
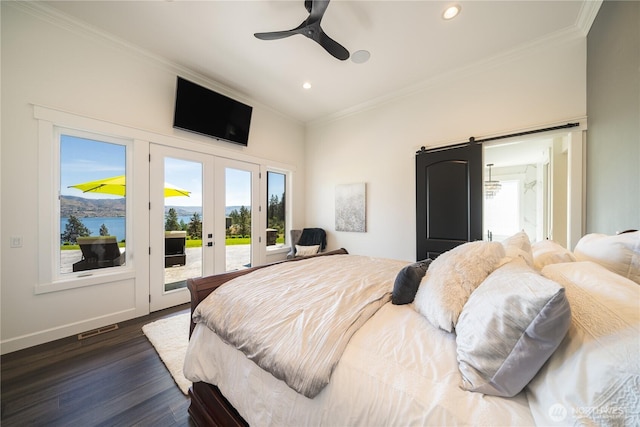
(311, 29)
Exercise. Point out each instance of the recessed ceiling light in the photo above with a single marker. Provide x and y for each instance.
(451, 12)
(306, 85)
(360, 56)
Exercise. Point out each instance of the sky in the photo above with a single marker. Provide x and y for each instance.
(84, 160)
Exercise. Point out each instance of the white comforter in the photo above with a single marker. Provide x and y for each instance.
(397, 370)
(295, 319)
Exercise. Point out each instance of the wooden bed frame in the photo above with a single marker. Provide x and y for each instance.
(208, 406)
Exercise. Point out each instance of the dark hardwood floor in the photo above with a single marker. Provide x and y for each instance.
(113, 379)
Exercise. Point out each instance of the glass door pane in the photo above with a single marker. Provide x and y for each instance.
(238, 213)
(181, 209)
(182, 222)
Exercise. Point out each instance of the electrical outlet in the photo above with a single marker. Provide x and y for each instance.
(16, 241)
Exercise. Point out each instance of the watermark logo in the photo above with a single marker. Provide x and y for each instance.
(601, 413)
(557, 412)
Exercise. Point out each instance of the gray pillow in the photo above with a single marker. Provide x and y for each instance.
(407, 282)
(508, 328)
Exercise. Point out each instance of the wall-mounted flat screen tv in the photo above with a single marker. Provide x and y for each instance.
(209, 113)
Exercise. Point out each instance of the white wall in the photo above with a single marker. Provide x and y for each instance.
(542, 84)
(55, 64)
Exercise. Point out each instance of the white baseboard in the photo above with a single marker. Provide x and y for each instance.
(64, 331)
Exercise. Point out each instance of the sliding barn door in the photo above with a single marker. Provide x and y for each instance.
(448, 198)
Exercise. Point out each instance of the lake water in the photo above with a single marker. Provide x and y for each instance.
(115, 225)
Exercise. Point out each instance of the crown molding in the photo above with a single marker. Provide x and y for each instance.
(568, 35)
(587, 15)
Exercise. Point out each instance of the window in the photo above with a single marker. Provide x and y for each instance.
(92, 208)
(276, 209)
(502, 212)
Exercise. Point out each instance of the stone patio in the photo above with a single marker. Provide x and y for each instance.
(238, 257)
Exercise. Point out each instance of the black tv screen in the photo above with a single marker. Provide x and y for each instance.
(206, 112)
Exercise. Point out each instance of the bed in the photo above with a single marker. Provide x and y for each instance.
(489, 333)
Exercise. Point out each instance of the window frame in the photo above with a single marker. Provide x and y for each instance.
(268, 200)
(50, 276)
(286, 247)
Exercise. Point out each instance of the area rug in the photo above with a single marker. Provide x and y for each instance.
(170, 337)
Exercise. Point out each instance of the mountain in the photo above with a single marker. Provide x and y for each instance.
(184, 210)
(83, 208)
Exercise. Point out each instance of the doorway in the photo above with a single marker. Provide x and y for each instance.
(201, 219)
(533, 188)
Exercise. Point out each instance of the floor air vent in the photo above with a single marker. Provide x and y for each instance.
(98, 331)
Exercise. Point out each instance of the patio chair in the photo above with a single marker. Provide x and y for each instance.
(175, 248)
(307, 237)
(98, 252)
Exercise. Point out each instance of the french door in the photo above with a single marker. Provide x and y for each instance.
(201, 219)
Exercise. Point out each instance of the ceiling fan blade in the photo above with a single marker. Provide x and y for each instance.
(274, 35)
(308, 5)
(332, 46)
(318, 8)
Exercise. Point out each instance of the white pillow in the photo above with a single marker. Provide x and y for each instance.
(452, 277)
(548, 252)
(307, 250)
(593, 377)
(508, 328)
(519, 245)
(618, 253)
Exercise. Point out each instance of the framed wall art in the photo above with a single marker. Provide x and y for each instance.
(351, 207)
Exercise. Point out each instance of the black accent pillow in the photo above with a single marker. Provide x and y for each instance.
(407, 282)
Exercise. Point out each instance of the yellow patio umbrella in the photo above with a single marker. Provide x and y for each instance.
(117, 185)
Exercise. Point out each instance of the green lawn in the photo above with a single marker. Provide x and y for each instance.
(236, 241)
(190, 243)
(230, 241)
